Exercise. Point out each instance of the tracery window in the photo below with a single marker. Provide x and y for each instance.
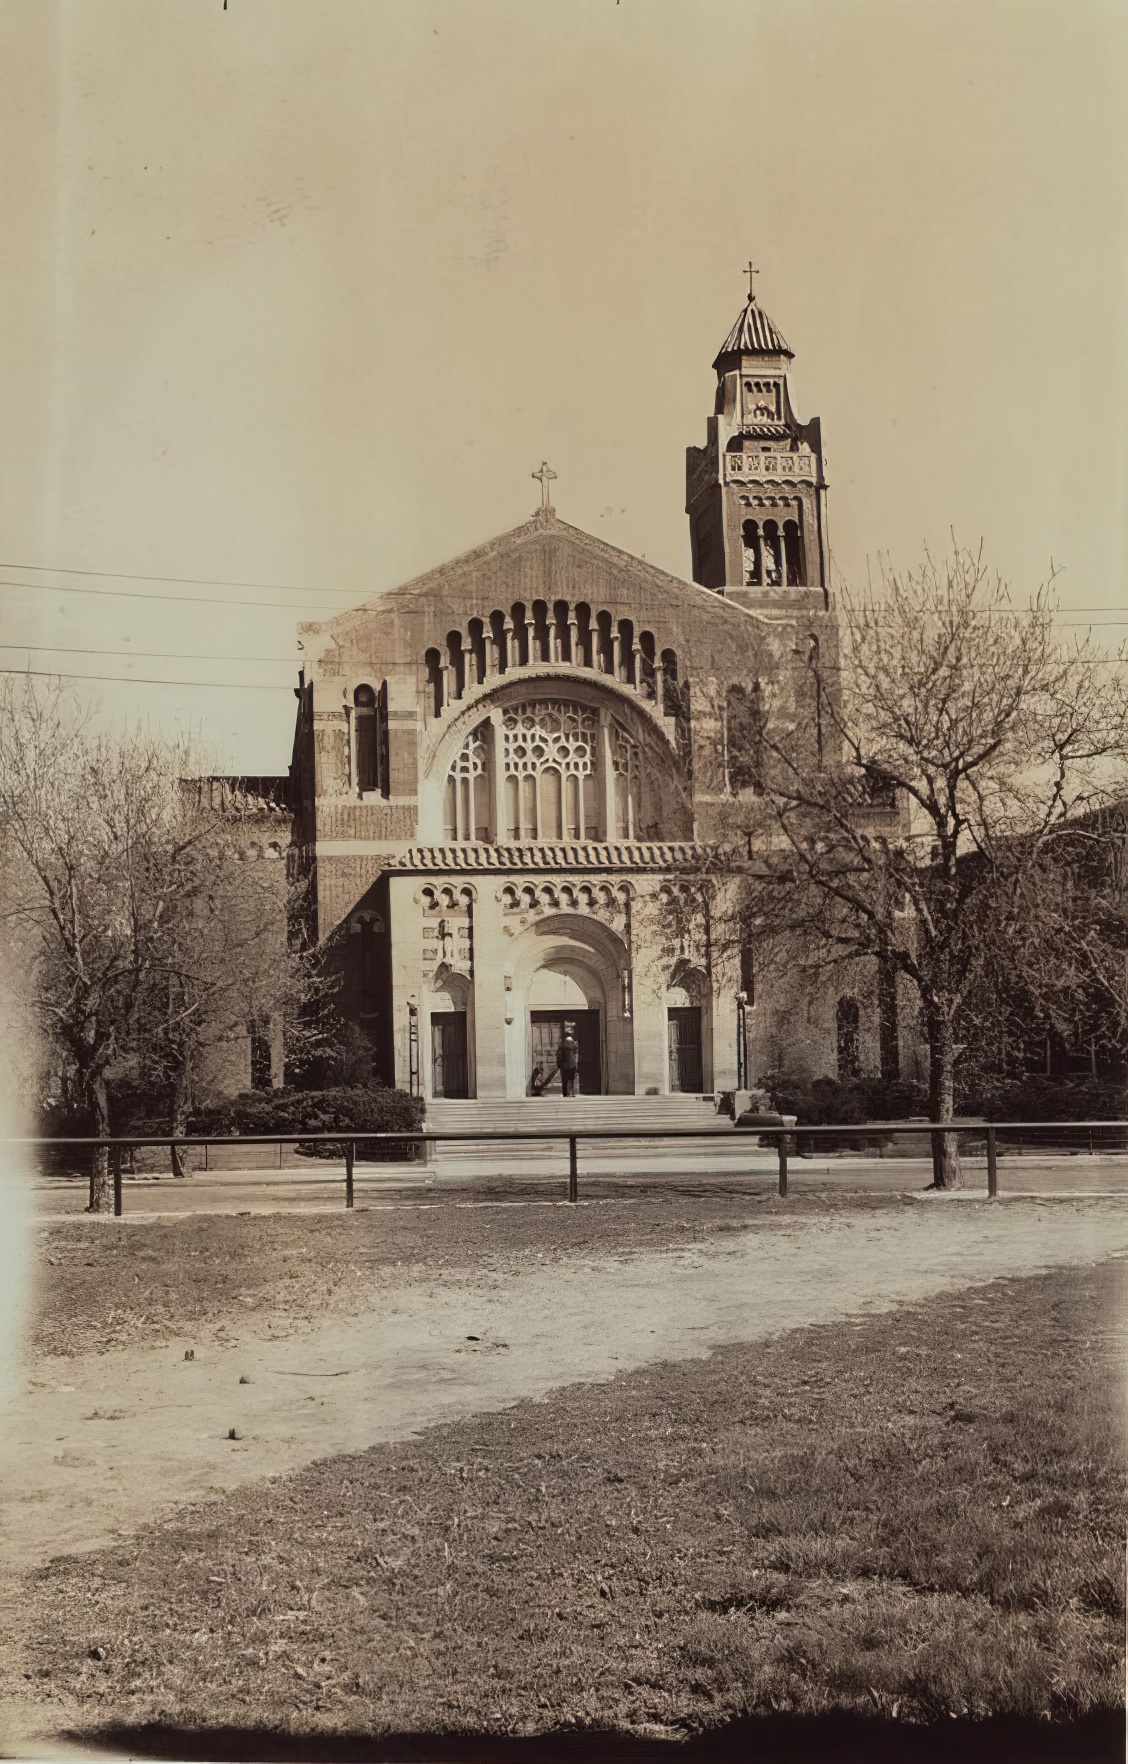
(550, 754)
(467, 806)
(565, 774)
(623, 753)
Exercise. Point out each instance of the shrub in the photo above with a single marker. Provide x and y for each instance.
(1034, 1097)
(829, 1102)
(355, 1109)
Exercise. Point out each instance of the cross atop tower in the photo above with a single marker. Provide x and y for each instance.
(546, 476)
(752, 271)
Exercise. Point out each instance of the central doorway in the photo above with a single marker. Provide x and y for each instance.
(547, 1031)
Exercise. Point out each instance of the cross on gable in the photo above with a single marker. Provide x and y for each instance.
(545, 475)
(752, 271)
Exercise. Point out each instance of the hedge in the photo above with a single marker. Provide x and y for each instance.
(356, 1109)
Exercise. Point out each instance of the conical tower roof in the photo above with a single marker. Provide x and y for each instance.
(754, 334)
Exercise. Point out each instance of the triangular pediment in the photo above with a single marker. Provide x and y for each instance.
(545, 558)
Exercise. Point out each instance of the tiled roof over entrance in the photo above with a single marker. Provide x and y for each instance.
(565, 854)
(754, 334)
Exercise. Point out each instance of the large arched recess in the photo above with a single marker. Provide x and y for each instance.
(666, 808)
(594, 960)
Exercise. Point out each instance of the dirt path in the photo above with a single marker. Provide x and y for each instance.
(99, 1445)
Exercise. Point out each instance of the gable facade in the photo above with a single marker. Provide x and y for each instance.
(500, 766)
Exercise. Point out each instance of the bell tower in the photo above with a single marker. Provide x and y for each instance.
(755, 493)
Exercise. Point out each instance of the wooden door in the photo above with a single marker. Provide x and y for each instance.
(685, 1048)
(547, 1030)
(449, 1074)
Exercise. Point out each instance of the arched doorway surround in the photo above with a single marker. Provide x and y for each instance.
(565, 964)
(689, 1030)
(450, 1068)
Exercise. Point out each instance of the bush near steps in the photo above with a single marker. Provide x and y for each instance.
(346, 1109)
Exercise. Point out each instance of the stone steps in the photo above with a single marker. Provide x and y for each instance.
(587, 1114)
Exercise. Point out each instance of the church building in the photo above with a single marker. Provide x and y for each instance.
(501, 768)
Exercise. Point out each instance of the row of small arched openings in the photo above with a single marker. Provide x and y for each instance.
(586, 897)
(540, 635)
(773, 556)
(446, 899)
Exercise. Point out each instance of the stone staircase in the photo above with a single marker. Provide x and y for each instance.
(463, 1160)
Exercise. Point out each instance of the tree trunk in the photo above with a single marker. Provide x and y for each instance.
(101, 1185)
(178, 1115)
(942, 1101)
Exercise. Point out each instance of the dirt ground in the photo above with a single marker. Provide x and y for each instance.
(100, 1444)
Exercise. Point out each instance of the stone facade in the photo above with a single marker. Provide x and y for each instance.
(499, 766)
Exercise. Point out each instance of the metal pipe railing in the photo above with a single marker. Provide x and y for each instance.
(784, 1135)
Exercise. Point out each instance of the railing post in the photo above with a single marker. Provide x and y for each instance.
(350, 1152)
(783, 1166)
(573, 1170)
(115, 1167)
(992, 1165)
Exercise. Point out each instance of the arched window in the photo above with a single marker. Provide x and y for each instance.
(466, 809)
(550, 754)
(753, 560)
(792, 554)
(847, 1025)
(773, 555)
(435, 681)
(367, 739)
(744, 737)
(262, 1062)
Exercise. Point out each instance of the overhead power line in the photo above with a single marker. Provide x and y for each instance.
(291, 661)
(345, 601)
(165, 599)
(128, 576)
(142, 680)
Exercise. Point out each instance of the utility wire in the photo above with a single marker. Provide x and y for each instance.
(290, 588)
(165, 599)
(126, 576)
(292, 661)
(141, 680)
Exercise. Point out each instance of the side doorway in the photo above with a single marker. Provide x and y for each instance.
(686, 1065)
(449, 1067)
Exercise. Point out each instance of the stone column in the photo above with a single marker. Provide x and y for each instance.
(405, 929)
(497, 755)
(490, 997)
(607, 774)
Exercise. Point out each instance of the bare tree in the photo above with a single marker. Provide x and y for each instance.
(100, 849)
(962, 742)
(156, 928)
(224, 971)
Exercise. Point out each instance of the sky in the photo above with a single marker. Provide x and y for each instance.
(298, 294)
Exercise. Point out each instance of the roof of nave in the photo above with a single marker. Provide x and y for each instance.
(544, 533)
(754, 333)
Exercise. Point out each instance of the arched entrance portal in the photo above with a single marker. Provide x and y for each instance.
(569, 968)
(564, 999)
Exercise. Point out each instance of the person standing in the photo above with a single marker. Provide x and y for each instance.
(568, 1064)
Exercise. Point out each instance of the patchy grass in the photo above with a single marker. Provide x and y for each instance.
(908, 1518)
(108, 1284)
